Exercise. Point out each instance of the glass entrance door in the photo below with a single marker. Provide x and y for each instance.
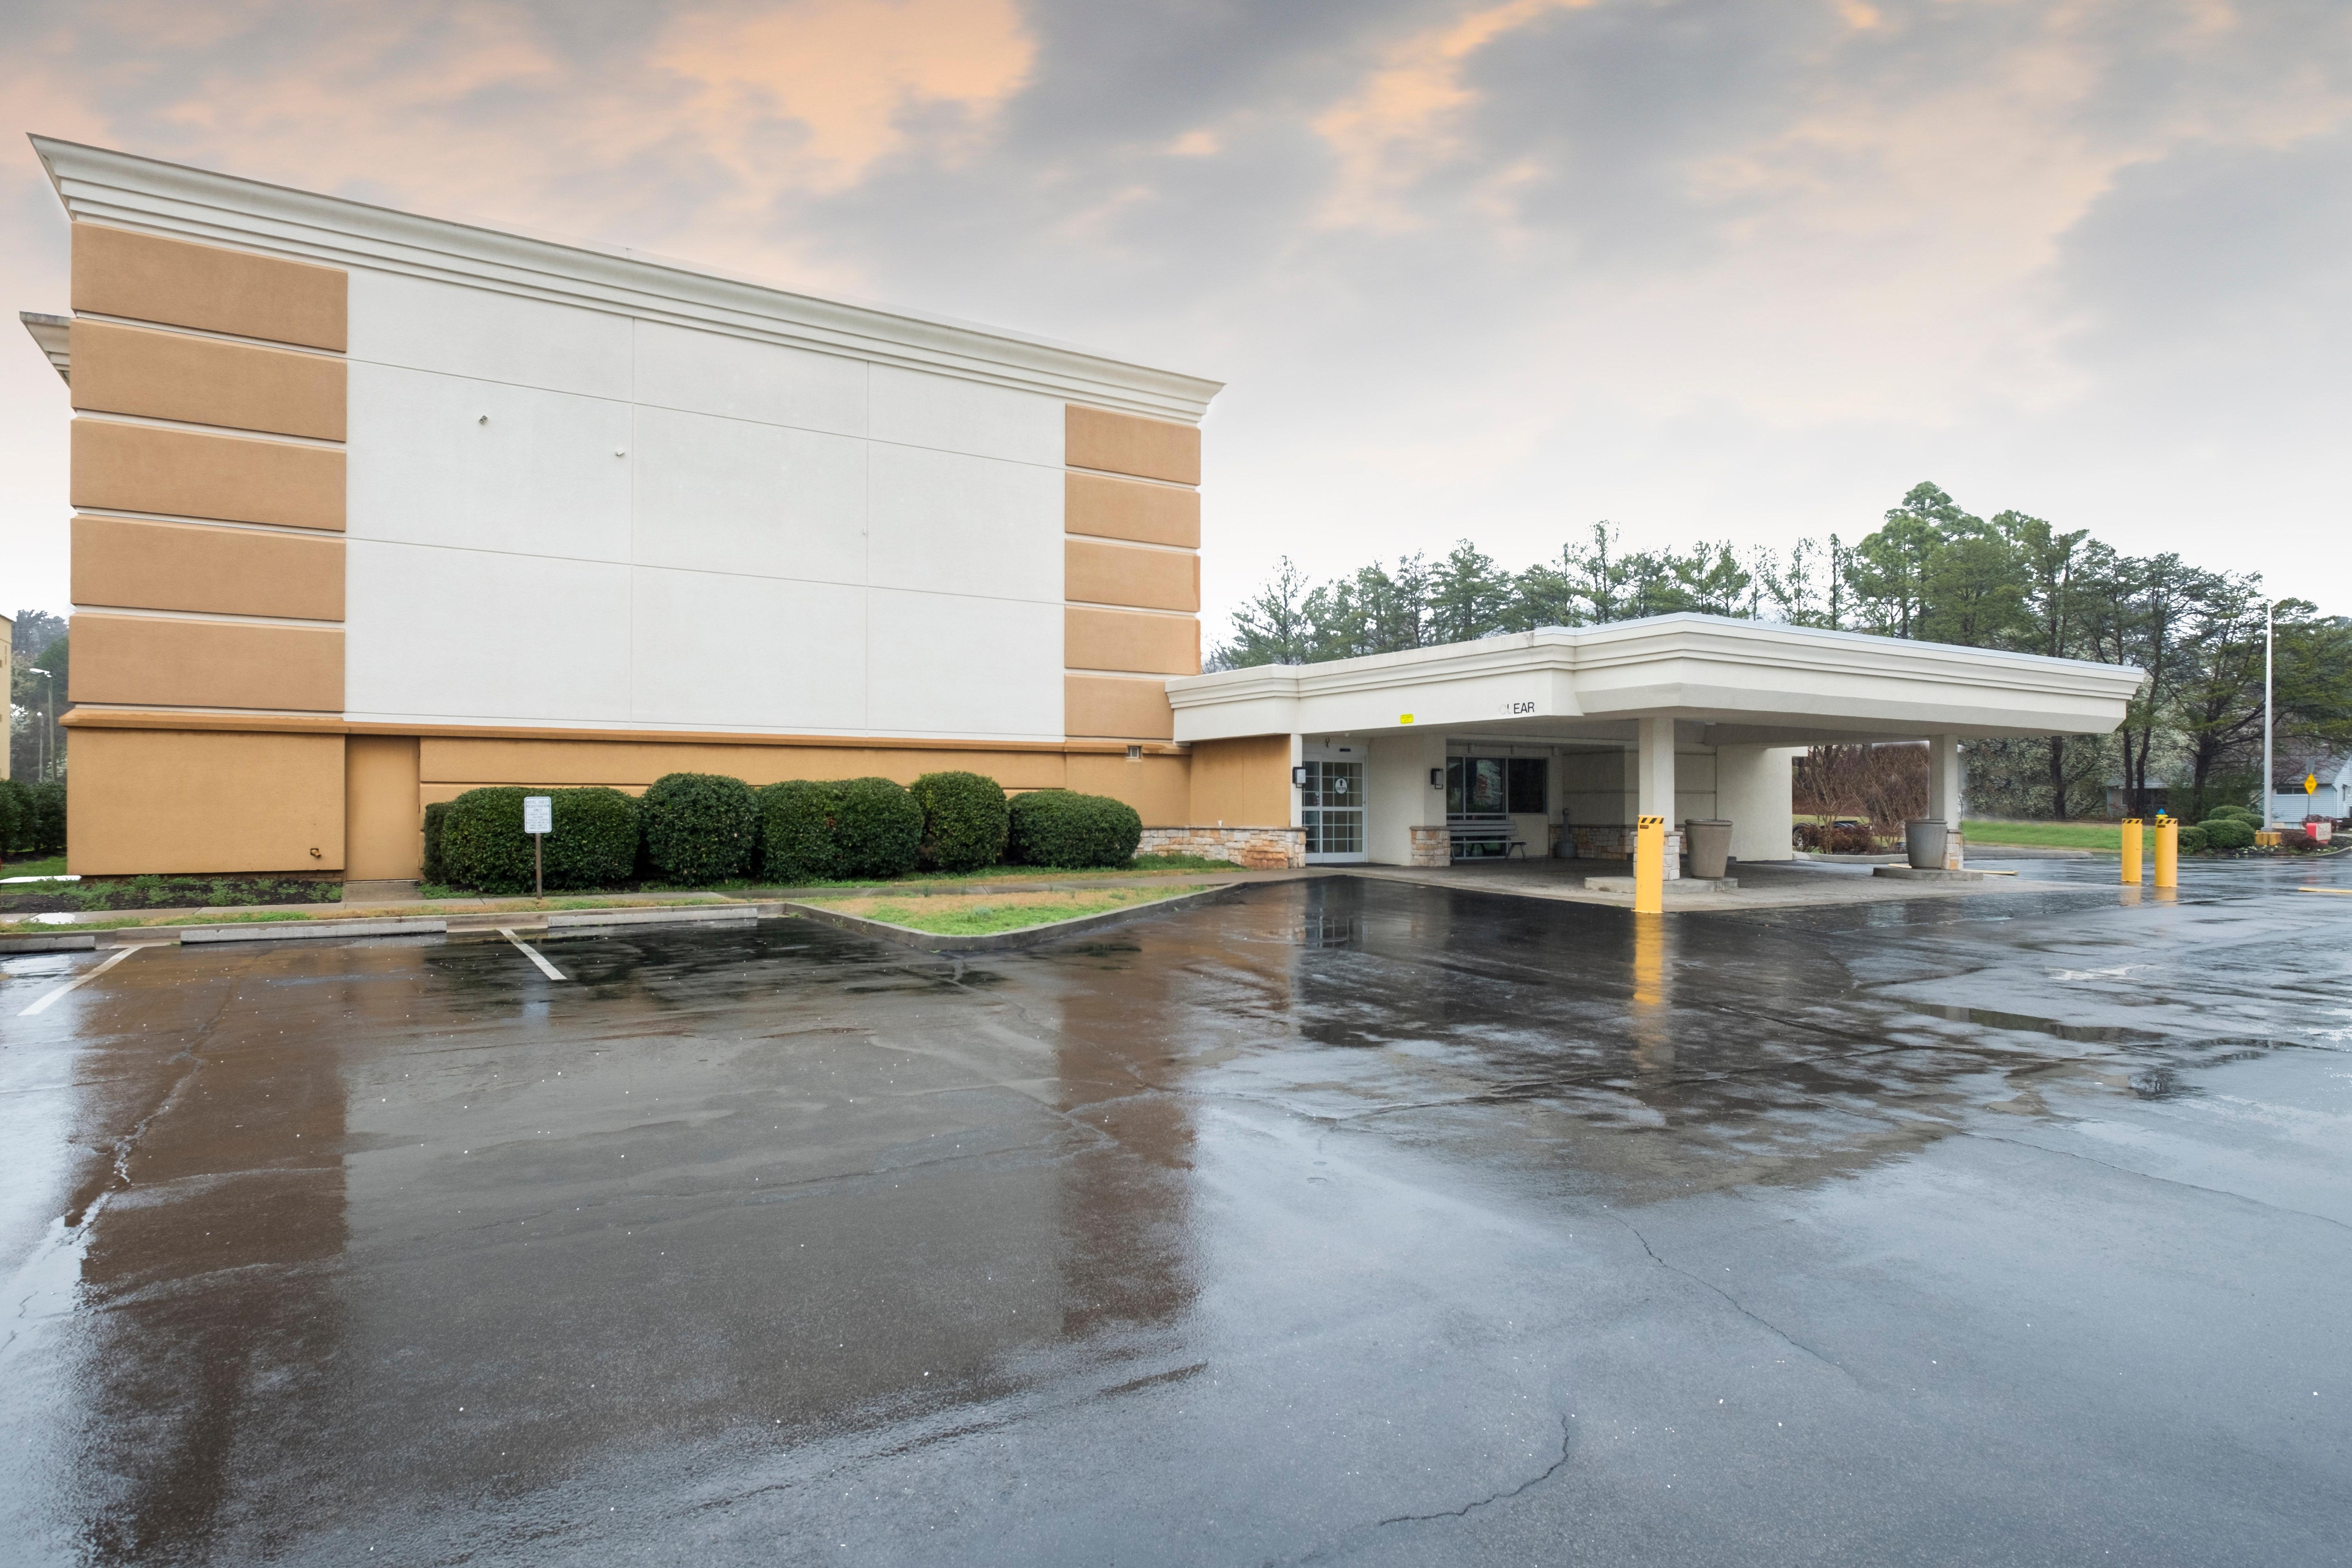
(1332, 803)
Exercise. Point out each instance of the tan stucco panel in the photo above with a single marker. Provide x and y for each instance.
(1097, 573)
(204, 381)
(383, 820)
(1130, 640)
(183, 284)
(1157, 787)
(1243, 783)
(176, 801)
(188, 473)
(1129, 708)
(206, 664)
(135, 565)
(1129, 444)
(1106, 508)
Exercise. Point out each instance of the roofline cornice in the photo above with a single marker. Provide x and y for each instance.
(100, 185)
(1625, 645)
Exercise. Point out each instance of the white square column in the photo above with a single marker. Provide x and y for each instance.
(1944, 802)
(1944, 780)
(1653, 770)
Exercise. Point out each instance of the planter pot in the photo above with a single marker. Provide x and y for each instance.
(1923, 844)
(1708, 845)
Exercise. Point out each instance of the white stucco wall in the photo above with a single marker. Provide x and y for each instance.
(1397, 794)
(1753, 791)
(665, 526)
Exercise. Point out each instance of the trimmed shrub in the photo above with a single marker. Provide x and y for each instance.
(2228, 833)
(480, 844)
(964, 821)
(435, 870)
(2243, 813)
(701, 827)
(44, 829)
(1059, 827)
(2193, 840)
(594, 841)
(878, 828)
(796, 833)
(16, 806)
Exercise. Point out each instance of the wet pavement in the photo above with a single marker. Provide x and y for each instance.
(1338, 1220)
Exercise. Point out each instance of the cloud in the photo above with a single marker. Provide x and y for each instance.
(1472, 267)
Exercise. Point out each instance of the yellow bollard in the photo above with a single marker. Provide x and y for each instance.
(2131, 851)
(1650, 866)
(2168, 852)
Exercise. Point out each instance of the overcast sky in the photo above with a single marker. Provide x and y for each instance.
(1742, 270)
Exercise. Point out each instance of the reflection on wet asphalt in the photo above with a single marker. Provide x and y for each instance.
(1345, 1220)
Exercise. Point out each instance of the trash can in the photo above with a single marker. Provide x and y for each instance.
(1708, 845)
(1924, 841)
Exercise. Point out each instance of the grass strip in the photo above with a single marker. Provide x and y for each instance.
(984, 916)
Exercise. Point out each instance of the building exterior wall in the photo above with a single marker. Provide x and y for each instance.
(1243, 782)
(197, 801)
(1755, 785)
(491, 537)
(1399, 800)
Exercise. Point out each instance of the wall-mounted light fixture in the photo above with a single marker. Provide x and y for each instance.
(1298, 778)
(1437, 778)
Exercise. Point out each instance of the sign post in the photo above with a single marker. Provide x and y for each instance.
(539, 821)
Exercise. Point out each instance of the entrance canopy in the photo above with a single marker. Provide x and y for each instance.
(1734, 682)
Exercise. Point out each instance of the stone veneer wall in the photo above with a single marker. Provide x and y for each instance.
(1617, 843)
(1252, 848)
(1433, 846)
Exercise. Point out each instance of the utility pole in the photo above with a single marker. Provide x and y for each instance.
(2269, 608)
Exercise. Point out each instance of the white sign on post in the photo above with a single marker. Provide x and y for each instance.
(539, 821)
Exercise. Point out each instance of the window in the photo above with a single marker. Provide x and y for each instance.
(1489, 786)
(1527, 786)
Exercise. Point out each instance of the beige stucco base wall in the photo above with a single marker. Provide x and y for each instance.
(217, 800)
(194, 802)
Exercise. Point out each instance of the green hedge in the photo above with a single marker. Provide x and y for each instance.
(1059, 827)
(796, 833)
(40, 826)
(701, 827)
(2193, 840)
(878, 828)
(14, 806)
(2228, 832)
(2243, 813)
(479, 841)
(965, 821)
(435, 870)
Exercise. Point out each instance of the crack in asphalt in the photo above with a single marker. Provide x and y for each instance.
(1566, 1441)
(2152, 1177)
(1736, 1305)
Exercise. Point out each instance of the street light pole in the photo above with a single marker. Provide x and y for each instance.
(48, 729)
(2269, 609)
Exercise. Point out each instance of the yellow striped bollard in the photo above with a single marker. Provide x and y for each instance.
(2131, 851)
(2168, 851)
(1650, 866)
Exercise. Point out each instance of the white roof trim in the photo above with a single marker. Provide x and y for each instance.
(99, 186)
(1711, 667)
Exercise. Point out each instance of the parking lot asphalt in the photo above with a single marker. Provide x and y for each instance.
(1336, 1221)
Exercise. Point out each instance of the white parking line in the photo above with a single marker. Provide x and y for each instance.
(532, 954)
(40, 1004)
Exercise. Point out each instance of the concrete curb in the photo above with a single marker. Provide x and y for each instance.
(1002, 941)
(62, 943)
(279, 931)
(582, 919)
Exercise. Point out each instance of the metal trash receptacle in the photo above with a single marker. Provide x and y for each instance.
(1924, 842)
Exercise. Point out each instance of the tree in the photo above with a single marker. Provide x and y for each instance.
(1469, 596)
(1271, 625)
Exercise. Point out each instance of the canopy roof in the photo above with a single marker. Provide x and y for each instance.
(1753, 682)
